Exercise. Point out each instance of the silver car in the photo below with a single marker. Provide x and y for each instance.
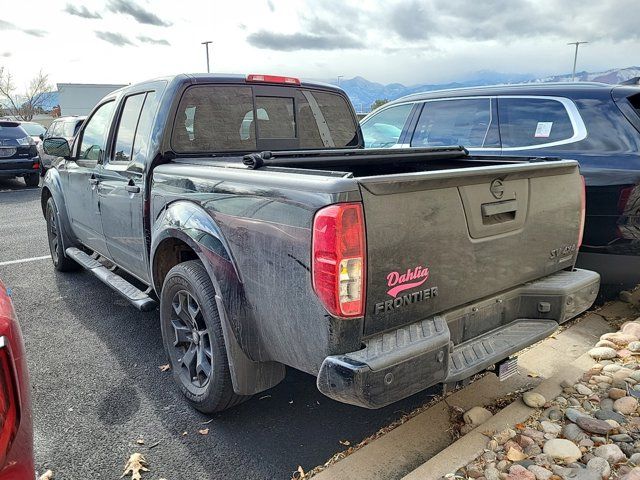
(65, 127)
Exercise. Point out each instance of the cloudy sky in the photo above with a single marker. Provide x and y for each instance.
(407, 41)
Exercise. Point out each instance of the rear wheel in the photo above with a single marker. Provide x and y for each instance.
(193, 339)
(55, 234)
(32, 180)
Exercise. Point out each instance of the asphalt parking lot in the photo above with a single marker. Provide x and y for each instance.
(97, 387)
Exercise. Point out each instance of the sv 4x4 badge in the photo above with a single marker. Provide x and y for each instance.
(398, 283)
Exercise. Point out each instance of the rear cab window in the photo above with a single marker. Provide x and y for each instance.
(245, 118)
(530, 122)
(469, 122)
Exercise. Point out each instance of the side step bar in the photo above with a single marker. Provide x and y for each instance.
(137, 297)
(476, 355)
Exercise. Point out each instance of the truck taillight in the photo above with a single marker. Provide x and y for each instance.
(583, 209)
(338, 259)
(8, 401)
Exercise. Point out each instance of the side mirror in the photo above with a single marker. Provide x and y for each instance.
(41, 136)
(57, 147)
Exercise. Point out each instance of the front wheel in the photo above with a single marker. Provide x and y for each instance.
(61, 262)
(193, 339)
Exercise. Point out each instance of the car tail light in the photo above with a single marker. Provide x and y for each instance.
(272, 79)
(36, 166)
(583, 209)
(8, 401)
(338, 259)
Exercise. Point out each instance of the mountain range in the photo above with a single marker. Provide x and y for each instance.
(363, 92)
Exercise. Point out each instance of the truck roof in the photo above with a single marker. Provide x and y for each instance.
(223, 78)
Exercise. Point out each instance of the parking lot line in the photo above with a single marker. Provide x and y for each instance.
(24, 260)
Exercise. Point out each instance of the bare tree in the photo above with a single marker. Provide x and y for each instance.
(24, 106)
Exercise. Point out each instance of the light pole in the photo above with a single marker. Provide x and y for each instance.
(575, 58)
(206, 46)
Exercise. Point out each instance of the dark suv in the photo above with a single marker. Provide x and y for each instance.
(594, 123)
(18, 154)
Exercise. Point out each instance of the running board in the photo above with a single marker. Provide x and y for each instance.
(476, 355)
(137, 297)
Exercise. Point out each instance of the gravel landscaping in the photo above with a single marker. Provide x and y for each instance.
(589, 432)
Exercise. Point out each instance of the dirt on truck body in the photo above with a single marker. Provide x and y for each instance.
(246, 209)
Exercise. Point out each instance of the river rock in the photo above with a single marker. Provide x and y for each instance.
(606, 343)
(601, 466)
(601, 379)
(593, 425)
(492, 473)
(504, 436)
(610, 415)
(632, 328)
(582, 389)
(635, 459)
(634, 474)
(565, 450)
(534, 400)
(550, 428)
(605, 353)
(541, 473)
(621, 437)
(634, 347)
(617, 393)
(573, 432)
(573, 414)
(611, 453)
(611, 368)
(606, 404)
(625, 405)
(619, 338)
(476, 416)
(518, 472)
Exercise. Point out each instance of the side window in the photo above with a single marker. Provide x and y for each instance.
(94, 135)
(383, 129)
(68, 128)
(143, 133)
(467, 122)
(127, 128)
(526, 122)
(53, 130)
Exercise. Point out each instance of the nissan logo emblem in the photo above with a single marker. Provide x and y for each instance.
(497, 188)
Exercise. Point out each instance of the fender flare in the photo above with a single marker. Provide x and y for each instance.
(191, 224)
(52, 187)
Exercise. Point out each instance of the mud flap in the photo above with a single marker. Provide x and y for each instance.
(248, 377)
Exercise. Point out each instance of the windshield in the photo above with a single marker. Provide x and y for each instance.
(220, 118)
(33, 129)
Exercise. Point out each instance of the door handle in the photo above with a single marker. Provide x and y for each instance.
(132, 188)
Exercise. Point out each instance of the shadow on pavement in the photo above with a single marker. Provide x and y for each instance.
(270, 435)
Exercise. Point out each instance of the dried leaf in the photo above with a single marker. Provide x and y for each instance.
(299, 474)
(48, 475)
(346, 443)
(135, 466)
(203, 431)
(515, 455)
(520, 426)
(533, 375)
(164, 368)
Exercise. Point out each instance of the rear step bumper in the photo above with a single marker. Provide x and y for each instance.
(137, 297)
(399, 363)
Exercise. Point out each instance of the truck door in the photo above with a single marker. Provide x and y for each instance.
(122, 184)
(81, 171)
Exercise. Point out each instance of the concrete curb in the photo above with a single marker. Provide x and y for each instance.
(472, 445)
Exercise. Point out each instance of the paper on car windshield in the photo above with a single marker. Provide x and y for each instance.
(543, 130)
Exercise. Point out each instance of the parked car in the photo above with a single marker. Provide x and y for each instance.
(63, 127)
(35, 130)
(18, 154)
(16, 425)
(594, 123)
(381, 272)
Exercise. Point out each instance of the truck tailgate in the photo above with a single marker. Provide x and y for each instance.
(438, 240)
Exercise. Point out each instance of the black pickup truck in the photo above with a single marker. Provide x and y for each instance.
(247, 209)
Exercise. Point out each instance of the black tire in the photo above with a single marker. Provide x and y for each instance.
(32, 180)
(193, 339)
(61, 262)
